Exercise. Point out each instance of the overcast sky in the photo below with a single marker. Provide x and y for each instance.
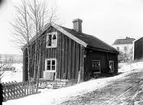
(105, 19)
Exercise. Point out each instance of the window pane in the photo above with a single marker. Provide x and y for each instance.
(54, 37)
(48, 63)
(50, 40)
(53, 62)
(48, 67)
(53, 67)
(95, 66)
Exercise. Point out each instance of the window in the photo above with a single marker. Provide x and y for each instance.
(118, 48)
(51, 40)
(96, 66)
(111, 66)
(125, 48)
(50, 64)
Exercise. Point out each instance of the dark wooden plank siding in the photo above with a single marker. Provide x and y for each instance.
(138, 49)
(69, 57)
(63, 55)
(104, 58)
(81, 61)
(25, 64)
(66, 58)
(59, 56)
(77, 60)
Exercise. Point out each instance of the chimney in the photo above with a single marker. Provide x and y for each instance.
(77, 25)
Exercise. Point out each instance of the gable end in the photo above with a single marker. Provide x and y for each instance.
(69, 35)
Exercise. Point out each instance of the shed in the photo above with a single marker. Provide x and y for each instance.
(138, 49)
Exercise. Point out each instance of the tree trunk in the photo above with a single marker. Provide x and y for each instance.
(39, 62)
(28, 66)
(35, 61)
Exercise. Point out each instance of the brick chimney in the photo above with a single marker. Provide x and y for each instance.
(77, 25)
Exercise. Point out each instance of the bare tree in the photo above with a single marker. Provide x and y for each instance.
(30, 20)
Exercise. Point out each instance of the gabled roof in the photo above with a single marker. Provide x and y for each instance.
(91, 41)
(141, 38)
(86, 40)
(127, 40)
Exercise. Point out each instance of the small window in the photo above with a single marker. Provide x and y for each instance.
(125, 48)
(51, 40)
(111, 66)
(50, 64)
(118, 48)
(96, 66)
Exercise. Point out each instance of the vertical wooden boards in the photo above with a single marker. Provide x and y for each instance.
(63, 54)
(75, 45)
(138, 49)
(26, 65)
(44, 54)
(107, 62)
(69, 60)
(68, 54)
(60, 53)
(77, 61)
(83, 50)
(82, 62)
(73, 60)
(66, 58)
(67, 67)
(86, 72)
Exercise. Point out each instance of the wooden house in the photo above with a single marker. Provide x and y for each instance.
(65, 53)
(138, 48)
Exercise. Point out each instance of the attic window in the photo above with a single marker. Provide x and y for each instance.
(51, 40)
(54, 37)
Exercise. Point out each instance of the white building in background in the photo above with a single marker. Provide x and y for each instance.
(125, 47)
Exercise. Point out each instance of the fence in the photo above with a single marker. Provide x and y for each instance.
(13, 90)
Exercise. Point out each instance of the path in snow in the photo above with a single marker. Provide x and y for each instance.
(120, 91)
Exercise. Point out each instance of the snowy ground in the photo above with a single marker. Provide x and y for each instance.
(94, 92)
(125, 67)
(13, 76)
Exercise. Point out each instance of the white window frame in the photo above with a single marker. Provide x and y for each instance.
(100, 65)
(47, 39)
(51, 64)
(113, 66)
